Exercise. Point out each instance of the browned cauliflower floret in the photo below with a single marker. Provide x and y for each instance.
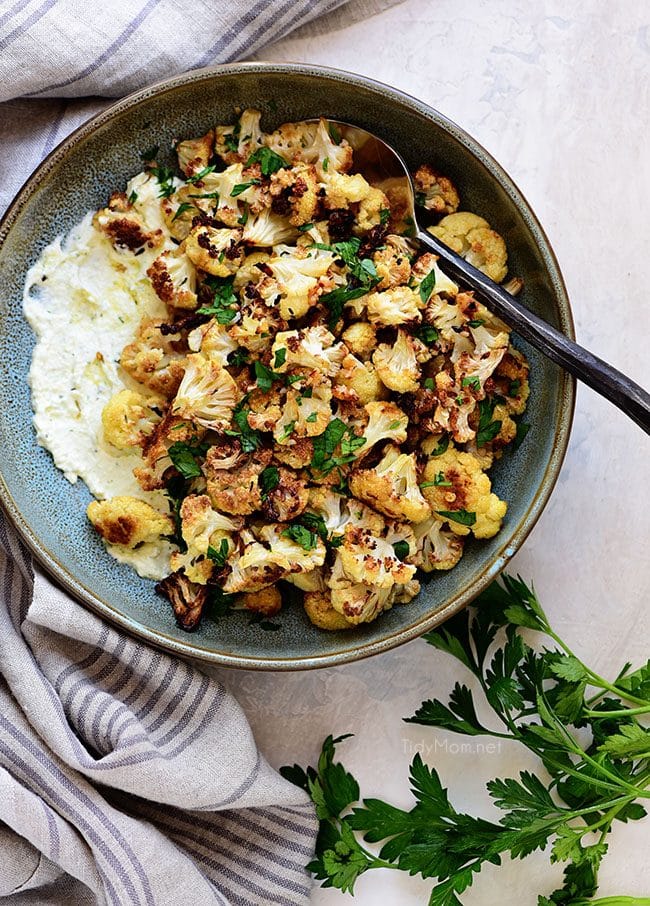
(298, 453)
(173, 278)
(128, 418)
(307, 411)
(207, 393)
(126, 230)
(265, 408)
(288, 499)
(235, 490)
(435, 192)
(397, 365)
(187, 599)
(327, 154)
(237, 143)
(371, 560)
(318, 607)
(471, 236)
(313, 348)
(371, 210)
(511, 380)
(392, 487)
(128, 521)
(216, 251)
(361, 603)
(386, 421)
(299, 277)
(393, 266)
(360, 338)
(152, 359)
(362, 378)
(455, 483)
(396, 306)
(295, 193)
(194, 153)
(439, 283)
(155, 446)
(258, 323)
(437, 548)
(266, 601)
(202, 528)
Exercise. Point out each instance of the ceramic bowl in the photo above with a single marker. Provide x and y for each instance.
(81, 173)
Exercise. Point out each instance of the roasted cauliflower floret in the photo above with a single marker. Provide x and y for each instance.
(471, 236)
(318, 607)
(371, 210)
(392, 486)
(202, 528)
(128, 521)
(386, 421)
(266, 601)
(361, 339)
(455, 482)
(437, 548)
(288, 499)
(511, 380)
(234, 487)
(325, 153)
(128, 418)
(267, 229)
(194, 153)
(127, 230)
(361, 378)
(216, 251)
(298, 277)
(173, 278)
(295, 193)
(397, 365)
(360, 603)
(305, 414)
(213, 340)
(207, 394)
(439, 283)
(238, 142)
(435, 192)
(396, 306)
(371, 560)
(258, 323)
(152, 359)
(269, 557)
(187, 599)
(392, 265)
(312, 348)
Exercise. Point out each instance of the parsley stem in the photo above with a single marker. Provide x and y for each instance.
(624, 712)
(597, 680)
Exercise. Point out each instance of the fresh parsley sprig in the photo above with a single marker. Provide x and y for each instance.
(547, 700)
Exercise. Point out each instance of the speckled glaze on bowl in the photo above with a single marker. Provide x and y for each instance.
(81, 173)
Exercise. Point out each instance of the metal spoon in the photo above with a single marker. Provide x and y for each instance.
(378, 162)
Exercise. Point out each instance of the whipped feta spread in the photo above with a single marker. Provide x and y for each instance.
(84, 301)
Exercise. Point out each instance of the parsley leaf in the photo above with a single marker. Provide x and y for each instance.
(280, 358)
(224, 301)
(197, 177)
(487, 429)
(302, 536)
(427, 285)
(249, 438)
(242, 187)
(182, 209)
(269, 480)
(402, 549)
(184, 456)
(269, 161)
(462, 517)
(220, 556)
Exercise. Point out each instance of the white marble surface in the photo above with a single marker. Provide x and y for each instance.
(559, 92)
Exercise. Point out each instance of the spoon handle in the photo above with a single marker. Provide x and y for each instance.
(601, 377)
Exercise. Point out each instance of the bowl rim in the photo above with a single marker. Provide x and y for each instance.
(567, 390)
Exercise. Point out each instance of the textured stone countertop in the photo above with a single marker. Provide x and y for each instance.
(559, 93)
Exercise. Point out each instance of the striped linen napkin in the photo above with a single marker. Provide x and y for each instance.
(127, 777)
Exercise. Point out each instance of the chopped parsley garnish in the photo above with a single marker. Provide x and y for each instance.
(301, 535)
(438, 482)
(239, 357)
(182, 209)
(487, 429)
(462, 517)
(337, 298)
(326, 163)
(288, 430)
(280, 357)
(269, 480)
(184, 455)
(427, 334)
(197, 177)
(220, 556)
(429, 383)
(363, 276)
(427, 286)
(395, 425)
(443, 444)
(337, 432)
(242, 186)
(165, 178)
(477, 322)
(522, 431)
(133, 197)
(243, 219)
(402, 549)
(514, 388)
(224, 303)
(219, 603)
(312, 418)
(249, 438)
(306, 227)
(231, 139)
(335, 135)
(384, 216)
(269, 161)
(472, 381)
(265, 376)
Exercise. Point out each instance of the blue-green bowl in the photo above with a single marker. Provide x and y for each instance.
(81, 173)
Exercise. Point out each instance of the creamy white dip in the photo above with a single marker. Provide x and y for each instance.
(84, 301)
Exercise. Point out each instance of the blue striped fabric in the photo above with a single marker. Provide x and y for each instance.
(127, 776)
